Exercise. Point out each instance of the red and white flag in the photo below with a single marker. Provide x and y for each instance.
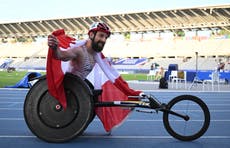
(103, 76)
(54, 69)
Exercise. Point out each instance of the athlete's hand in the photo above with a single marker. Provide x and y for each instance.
(142, 94)
(52, 42)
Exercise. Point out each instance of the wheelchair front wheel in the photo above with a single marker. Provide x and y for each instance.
(195, 126)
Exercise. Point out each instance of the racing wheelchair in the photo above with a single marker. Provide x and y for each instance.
(185, 117)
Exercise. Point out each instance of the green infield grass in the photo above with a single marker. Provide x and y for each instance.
(11, 78)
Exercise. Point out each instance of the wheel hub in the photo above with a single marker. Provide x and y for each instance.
(53, 114)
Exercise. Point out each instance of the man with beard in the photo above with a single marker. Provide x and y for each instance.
(81, 58)
(85, 59)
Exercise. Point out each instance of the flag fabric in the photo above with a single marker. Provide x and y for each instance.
(54, 69)
(103, 76)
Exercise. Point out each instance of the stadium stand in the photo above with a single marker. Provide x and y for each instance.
(163, 52)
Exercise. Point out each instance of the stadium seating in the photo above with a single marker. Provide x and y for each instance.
(179, 51)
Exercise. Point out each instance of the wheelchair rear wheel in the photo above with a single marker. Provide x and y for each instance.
(48, 120)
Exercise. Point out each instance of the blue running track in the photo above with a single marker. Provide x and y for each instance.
(140, 130)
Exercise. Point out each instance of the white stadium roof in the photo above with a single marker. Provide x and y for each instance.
(188, 18)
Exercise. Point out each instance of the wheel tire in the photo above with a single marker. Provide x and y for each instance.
(48, 120)
(200, 132)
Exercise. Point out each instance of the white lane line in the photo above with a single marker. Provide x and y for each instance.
(218, 104)
(151, 137)
(182, 91)
(129, 120)
(11, 102)
(16, 102)
(16, 136)
(18, 89)
(213, 111)
(11, 119)
(11, 108)
(120, 137)
(11, 98)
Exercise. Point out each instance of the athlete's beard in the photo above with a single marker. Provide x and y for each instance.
(98, 46)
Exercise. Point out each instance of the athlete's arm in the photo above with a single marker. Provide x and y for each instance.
(63, 55)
